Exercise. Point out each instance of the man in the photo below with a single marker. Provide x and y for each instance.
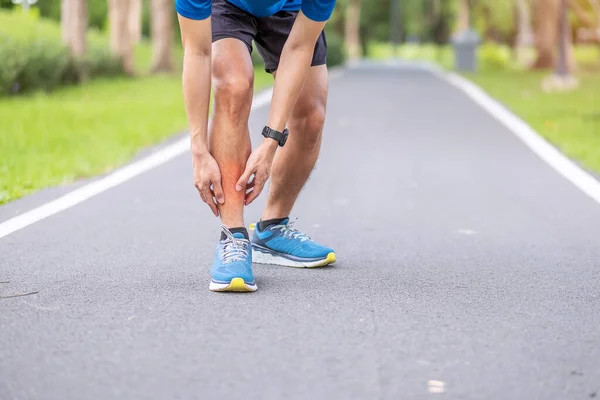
(289, 36)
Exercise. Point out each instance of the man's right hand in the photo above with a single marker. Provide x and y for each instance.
(207, 179)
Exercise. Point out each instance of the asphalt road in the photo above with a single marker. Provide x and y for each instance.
(465, 265)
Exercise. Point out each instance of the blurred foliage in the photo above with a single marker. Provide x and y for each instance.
(336, 52)
(97, 10)
(491, 57)
(428, 21)
(494, 57)
(494, 20)
(97, 14)
(33, 56)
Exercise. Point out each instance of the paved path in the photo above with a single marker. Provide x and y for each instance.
(463, 258)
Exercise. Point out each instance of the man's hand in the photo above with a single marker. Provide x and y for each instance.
(207, 179)
(259, 165)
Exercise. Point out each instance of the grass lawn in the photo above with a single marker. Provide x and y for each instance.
(80, 131)
(570, 121)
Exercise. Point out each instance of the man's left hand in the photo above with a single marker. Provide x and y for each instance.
(259, 165)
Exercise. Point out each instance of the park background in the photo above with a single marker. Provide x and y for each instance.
(85, 85)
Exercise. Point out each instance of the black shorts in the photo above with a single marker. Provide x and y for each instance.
(269, 33)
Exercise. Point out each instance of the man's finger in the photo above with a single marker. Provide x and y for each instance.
(208, 199)
(255, 192)
(218, 190)
(200, 193)
(243, 181)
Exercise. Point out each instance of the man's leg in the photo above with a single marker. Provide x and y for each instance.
(233, 80)
(275, 240)
(229, 142)
(295, 161)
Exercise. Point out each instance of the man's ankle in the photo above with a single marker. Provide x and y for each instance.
(239, 229)
(265, 223)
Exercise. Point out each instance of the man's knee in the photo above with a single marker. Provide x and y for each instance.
(316, 120)
(311, 119)
(233, 88)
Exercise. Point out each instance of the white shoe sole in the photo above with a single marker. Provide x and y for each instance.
(236, 285)
(266, 258)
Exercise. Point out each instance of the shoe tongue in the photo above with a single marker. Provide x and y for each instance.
(285, 221)
(239, 235)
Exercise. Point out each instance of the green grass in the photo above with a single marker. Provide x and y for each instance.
(438, 54)
(569, 120)
(80, 131)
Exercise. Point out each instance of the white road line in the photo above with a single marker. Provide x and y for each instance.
(116, 178)
(553, 157)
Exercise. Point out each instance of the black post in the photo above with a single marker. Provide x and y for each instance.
(562, 68)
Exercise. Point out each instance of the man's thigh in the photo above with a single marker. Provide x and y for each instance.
(272, 33)
(229, 21)
(232, 70)
(313, 97)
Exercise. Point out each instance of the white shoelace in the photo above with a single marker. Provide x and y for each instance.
(234, 249)
(290, 231)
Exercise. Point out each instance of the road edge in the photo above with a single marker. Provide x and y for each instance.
(123, 174)
(116, 178)
(570, 170)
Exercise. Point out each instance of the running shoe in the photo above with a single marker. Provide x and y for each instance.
(283, 244)
(232, 266)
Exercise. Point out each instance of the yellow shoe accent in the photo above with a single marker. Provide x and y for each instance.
(252, 226)
(329, 260)
(238, 285)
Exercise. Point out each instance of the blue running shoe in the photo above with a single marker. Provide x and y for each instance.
(232, 267)
(282, 244)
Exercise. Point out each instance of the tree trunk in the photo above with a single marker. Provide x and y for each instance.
(352, 30)
(135, 21)
(121, 45)
(525, 38)
(74, 21)
(571, 62)
(162, 36)
(547, 13)
(525, 35)
(78, 40)
(464, 17)
(65, 20)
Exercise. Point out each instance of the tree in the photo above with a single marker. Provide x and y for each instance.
(589, 16)
(464, 16)
(162, 35)
(563, 78)
(547, 13)
(74, 22)
(495, 19)
(548, 35)
(65, 20)
(352, 30)
(121, 43)
(525, 35)
(135, 21)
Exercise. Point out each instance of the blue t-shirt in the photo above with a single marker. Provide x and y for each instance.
(317, 10)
